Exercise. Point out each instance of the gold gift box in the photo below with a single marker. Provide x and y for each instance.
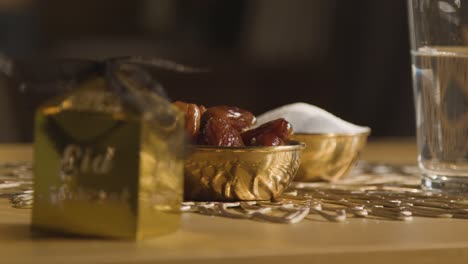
(105, 169)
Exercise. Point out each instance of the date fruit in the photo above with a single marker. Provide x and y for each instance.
(218, 132)
(273, 133)
(226, 126)
(193, 114)
(238, 118)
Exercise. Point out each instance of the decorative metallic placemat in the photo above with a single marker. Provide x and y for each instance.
(16, 183)
(372, 190)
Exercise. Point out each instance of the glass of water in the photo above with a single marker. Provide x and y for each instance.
(439, 49)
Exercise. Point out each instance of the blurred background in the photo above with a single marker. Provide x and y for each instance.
(349, 57)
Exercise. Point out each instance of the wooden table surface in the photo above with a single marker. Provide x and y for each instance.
(204, 239)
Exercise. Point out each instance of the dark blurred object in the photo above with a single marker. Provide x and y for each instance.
(372, 66)
(348, 57)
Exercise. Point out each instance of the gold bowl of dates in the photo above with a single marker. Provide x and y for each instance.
(214, 173)
(231, 160)
(329, 157)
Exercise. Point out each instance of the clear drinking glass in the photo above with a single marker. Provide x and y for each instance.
(439, 49)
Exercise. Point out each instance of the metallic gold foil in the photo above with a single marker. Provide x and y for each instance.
(104, 169)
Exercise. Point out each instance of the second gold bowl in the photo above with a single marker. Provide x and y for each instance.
(329, 157)
(240, 173)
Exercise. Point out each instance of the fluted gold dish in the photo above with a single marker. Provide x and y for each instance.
(329, 157)
(240, 173)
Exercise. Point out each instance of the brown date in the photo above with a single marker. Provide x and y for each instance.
(238, 118)
(218, 132)
(202, 109)
(273, 133)
(193, 114)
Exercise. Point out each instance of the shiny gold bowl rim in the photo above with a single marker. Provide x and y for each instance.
(360, 134)
(292, 145)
